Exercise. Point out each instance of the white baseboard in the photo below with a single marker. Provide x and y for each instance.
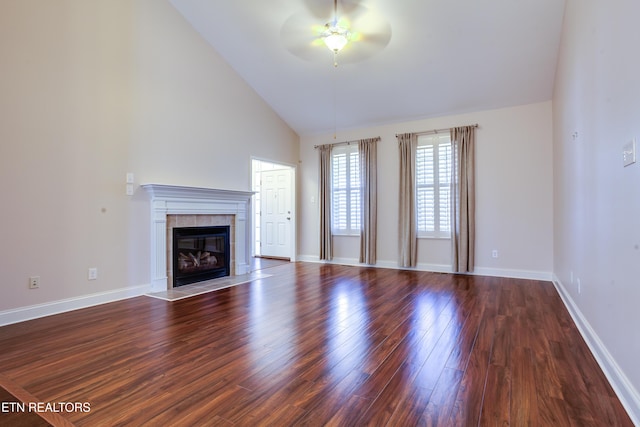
(47, 309)
(436, 268)
(514, 274)
(626, 392)
(379, 264)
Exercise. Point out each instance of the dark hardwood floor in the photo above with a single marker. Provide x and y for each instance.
(321, 344)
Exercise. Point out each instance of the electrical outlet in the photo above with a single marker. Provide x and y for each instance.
(34, 282)
(93, 274)
(494, 253)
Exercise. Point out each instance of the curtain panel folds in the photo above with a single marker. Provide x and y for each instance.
(408, 243)
(324, 202)
(367, 150)
(463, 204)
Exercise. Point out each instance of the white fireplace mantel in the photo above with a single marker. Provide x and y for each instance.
(180, 200)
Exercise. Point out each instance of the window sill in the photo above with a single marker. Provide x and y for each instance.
(343, 234)
(435, 237)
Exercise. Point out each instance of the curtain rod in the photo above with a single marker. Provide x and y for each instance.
(346, 142)
(429, 132)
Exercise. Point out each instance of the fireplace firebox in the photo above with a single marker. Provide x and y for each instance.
(200, 253)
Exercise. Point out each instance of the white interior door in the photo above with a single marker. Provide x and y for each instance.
(275, 218)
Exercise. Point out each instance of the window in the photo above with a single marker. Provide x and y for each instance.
(433, 185)
(345, 190)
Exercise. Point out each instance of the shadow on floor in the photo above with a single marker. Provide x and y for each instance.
(259, 263)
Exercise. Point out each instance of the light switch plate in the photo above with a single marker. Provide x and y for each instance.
(629, 153)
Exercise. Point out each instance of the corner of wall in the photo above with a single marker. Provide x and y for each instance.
(626, 392)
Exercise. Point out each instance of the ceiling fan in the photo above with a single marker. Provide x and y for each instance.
(350, 29)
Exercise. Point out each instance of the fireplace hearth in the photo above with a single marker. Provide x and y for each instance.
(200, 253)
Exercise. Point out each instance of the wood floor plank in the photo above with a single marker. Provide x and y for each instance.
(317, 344)
(524, 399)
(431, 370)
(468, 406)
(496, 408)
(442, 399)
(390, 406)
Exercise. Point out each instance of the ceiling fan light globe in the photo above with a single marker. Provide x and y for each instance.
(335, 38)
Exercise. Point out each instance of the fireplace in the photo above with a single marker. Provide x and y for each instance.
(200, 253)
(179, 206)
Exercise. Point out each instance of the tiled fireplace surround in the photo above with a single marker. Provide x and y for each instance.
(178, 206)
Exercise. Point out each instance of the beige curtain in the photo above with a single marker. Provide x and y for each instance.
(407, 144)
(324, 202)
(463, 207)
(367, 150)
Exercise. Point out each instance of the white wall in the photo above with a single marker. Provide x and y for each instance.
(92, 90)
(514, 193)
(597, 200)
(65, 110)
(191, 106)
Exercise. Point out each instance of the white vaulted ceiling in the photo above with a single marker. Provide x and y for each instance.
(444, 57)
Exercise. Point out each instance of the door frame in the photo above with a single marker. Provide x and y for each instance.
(293, 223)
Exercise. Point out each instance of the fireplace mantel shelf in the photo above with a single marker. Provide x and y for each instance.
(182, 200)
(164, 191)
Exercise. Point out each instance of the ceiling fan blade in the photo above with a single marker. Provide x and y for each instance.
(347, 7)
(366, 21)
(380, 40)
(370, 33)
(320, 9)
(323, 9)
(300, 35)
(356, 53)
